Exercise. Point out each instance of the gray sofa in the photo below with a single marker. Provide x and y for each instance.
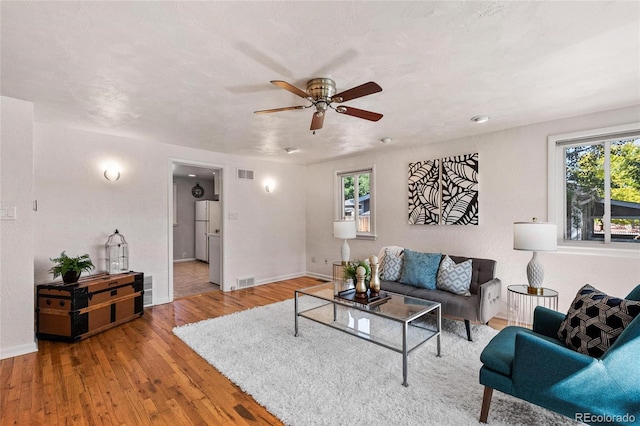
(483, 303)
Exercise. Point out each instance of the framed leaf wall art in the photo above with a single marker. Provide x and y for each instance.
(444, 191)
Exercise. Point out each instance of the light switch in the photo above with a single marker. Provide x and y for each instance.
(233, 216)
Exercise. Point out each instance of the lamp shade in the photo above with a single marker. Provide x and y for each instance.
(344, 230)
(534, 236)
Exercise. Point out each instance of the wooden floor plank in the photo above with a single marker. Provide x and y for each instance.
(138, 373)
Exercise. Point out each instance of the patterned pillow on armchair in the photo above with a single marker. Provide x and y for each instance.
(595, 320)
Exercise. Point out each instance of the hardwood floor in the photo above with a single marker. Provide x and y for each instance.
(138, 373)
(190, 278)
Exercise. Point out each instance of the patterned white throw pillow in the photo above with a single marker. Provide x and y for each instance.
(454, 278)
(392, 268)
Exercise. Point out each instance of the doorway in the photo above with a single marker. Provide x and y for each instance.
(196, 243)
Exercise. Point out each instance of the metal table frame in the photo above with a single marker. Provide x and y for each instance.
(521, 304)
(406, 322)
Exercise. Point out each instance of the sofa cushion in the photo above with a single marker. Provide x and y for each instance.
(595, 320)
(420, 269)
(454, 278)
(392, 268)
(396, 287)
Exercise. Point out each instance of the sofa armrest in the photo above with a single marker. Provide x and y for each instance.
(489, 297)
(547, 321)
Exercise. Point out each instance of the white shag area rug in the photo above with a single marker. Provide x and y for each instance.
(317, 378)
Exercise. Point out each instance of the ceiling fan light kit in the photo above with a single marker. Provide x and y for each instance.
(321, 92)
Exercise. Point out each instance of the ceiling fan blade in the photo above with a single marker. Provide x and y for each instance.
(291, 88)
(267, 111)
(360, 113)
(357, 92)
(316, 122)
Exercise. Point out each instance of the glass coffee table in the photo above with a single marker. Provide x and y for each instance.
(393, 321)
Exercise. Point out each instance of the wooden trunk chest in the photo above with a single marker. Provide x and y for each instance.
(71, 312)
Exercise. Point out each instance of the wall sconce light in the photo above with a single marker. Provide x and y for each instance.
(112, 173)
(269, 186)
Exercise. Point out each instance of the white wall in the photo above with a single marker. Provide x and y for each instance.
(513, 187)
(16, 237)
(78, 208)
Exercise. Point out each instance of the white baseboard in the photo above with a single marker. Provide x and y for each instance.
(161, 301)
(191, 259)
(320, 276)
(289, 277)
(18, 350)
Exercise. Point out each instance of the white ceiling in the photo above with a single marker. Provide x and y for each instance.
(192, 73)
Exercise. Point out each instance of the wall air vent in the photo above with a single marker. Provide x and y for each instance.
(147, 299)
(245, 174)
(245, 282)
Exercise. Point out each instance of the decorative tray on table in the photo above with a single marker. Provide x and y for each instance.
(350, 296)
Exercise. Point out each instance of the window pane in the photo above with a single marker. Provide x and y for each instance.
(355, 198)
(347, 198)
(364, 203)
(585, 192)
(625, 191)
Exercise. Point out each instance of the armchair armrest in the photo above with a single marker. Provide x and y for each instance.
(489, 294)
(568, 382)
(539, 364)
(547, 321)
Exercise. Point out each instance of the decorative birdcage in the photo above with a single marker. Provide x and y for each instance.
(117, 254)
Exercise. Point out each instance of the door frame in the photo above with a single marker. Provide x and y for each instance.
(223, 190)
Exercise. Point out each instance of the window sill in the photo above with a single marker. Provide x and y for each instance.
(595, 249)
(366, 237)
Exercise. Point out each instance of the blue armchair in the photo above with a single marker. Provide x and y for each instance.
(534, 365)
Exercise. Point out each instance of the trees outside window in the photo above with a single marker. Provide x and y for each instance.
(355, 199)
(602, 190)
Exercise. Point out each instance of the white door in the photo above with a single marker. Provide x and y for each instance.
(214, 217)
(214, 259)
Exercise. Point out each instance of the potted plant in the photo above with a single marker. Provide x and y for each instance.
(70, 267)
(349, 270)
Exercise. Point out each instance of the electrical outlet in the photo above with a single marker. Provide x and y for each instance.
(326, 262)
(184, 254)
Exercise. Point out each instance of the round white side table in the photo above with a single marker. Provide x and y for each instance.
(521, 304)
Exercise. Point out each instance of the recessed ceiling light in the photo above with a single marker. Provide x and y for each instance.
(386, 140)
(480, 118)
(192, 175)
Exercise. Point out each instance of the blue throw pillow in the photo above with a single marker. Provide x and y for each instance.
(420, 269)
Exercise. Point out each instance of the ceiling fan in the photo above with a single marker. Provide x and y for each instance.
(321, 92)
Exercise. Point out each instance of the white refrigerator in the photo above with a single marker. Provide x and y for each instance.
(207, 223)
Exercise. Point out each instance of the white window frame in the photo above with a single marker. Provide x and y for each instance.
(556, 190)
(339, 198)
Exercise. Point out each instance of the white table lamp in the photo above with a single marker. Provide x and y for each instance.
(534, 236)
(344, 230)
